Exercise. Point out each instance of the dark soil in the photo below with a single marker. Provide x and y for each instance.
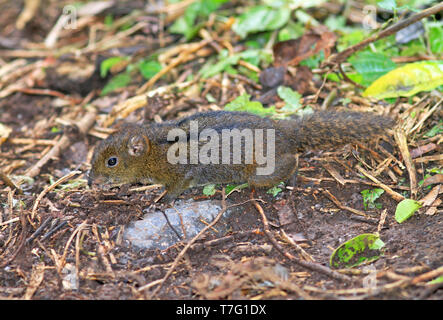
(240, 265)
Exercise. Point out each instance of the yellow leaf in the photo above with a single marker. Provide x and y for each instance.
(407, 80)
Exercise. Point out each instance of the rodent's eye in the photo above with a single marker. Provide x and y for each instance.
(111, 162)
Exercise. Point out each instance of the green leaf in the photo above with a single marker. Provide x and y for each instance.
(435, 170)
(350, 39)
(225, 63)
(335, 23)
(390, 5)
(231, 187)
(405, 209)
(107, 64)
(109, 20)
(407, 80)
(274, 191)
(126, 25)
(437, 129)
(363, 248)
(182, 27)
(306, 18)
(371, 65)
(212, 69)
(436, 280)
(314, 61)
(261, 18)
(149, 68)
(333, 77)
(291, 97)
(248, 73)
(73, 184)
(210, 98)
(291, 30)
(298, 3)
(119, 81)
(420, 183)
(378, 244)
(436, 39)
(187, 24)
(415, 47)
(206, 7)
(243, 103)
(209, 190)
(369, 197)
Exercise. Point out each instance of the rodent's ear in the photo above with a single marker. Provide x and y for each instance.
(137, 145)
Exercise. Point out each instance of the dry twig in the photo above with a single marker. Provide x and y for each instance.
(402, 143)
(83, 126)
(395, 195)
(48, 189)
(9, 182)
(340, 57)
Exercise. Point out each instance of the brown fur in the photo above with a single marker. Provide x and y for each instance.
(318, 130)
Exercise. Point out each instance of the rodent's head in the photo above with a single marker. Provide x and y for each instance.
(119, 159)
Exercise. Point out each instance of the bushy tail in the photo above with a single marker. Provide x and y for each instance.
(322, 130)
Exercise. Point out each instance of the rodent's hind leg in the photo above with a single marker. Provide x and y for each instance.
(285, 168)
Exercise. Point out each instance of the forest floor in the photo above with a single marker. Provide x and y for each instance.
(60, 239)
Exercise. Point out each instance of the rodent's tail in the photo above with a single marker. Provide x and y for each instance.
(331, 129)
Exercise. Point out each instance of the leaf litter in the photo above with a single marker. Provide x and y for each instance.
(51, 90)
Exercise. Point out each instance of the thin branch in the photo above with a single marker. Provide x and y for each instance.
(340, 57)
(83, 126)
(9, 182)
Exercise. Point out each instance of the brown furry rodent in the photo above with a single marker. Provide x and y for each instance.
(142, 153)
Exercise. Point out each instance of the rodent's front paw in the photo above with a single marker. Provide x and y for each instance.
(166, 197)
(161, 206)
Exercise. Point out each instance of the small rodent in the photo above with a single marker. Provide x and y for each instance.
(142, 153)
